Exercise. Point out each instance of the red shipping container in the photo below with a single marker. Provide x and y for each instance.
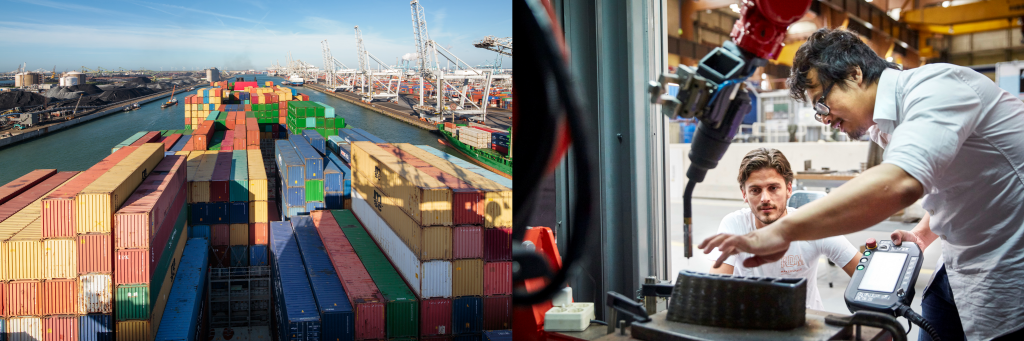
(22, 298)
(497, 278)
(436, 316)
(170, 141)
(23, 183)
(60, 328)
(201, 137)
(189, 146)
(258, 234)
(153, 136)
(229, 141)
(19, 202)
(221, 234)
(136, 222)
(363, 294)
(219, 256)
(230, 123)
(163, 232)
(273, 210)
(59, 297)
(94, 253)
(252, 135)
(131, 267)
(220, 184)
(467, 242)
(58, 213)
(497, 312)
(239, 143)
(497, 245)
(467, 201)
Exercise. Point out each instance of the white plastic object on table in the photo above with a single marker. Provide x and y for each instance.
(573, 317)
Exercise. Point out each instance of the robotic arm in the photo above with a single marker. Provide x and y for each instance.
(714, 93)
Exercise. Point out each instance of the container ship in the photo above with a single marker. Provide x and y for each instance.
(490, 147)
(265, 204)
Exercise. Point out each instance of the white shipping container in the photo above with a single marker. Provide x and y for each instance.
(24, 329)
(95, 294)
(426, 281)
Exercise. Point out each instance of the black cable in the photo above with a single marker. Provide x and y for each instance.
(915, 318)
(599, 322)
(687, 215)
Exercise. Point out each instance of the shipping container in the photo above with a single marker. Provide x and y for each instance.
(497, 194)
(258, 186)
(402, 303)
(131, 267)
(59, 297)
(259, 212)
(168, 235)
(60, 328)
(258, 233)
(370, 137)
(219, 213)
(425, 242)
(313, 160)
(426, 199)
(17, 186)
(58, 207)
(199, 186)
(219, 256)
(31, 196)
(239, 186)
(95, 294)
(182, 143)
(221, 234)
(24, 329)
(497, 312)
(498, 335)
(95, 327)
(132, 302)
(23, 298)
(24, 255)
(425, 284)
(298, 319)
(336, 315)
(467, 201)
(180, 319)
(238, 212)
(95, 253)
(497, 245)
(467, 315)
(258, 255)
(239, 233)
(456, 161)
(362, 292)
(129, 141)
(315, 140)
(467, 277)
(199, 231)
(60, 259)
(96, 204)
(239, 255)
(291, 167)
(149, 137)
(138, 221)
(497, 278)
(220, 184)
(467, 242)
(436, 316)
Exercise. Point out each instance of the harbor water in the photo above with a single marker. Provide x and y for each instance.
(80, 147)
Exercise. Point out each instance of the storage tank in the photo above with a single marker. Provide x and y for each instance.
(27, 78)
(69, 81)
(80, 76)
(212, 75)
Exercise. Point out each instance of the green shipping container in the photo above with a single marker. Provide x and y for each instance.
(257, 107)
(239, 186)
(329, 122)
(213, 115)
(164, 133)
(321, 122)
(132, 302)
(331, 132)
(322, 131)
(171, 255)
(314, 190)
(402, 308)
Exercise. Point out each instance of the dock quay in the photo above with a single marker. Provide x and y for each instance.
(404, 116)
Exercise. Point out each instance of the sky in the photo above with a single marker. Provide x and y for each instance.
(235, 35)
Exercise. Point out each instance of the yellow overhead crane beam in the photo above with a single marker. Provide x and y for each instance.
(969, 18)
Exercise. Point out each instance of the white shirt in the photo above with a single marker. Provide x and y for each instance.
(800, 261)
(962, 137)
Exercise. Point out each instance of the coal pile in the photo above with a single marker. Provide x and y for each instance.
(124, 94)
(12, 99)
(139, 81)
(70, 92)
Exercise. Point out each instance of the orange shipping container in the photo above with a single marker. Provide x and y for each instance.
(58, 208)
(60, 328)
(94, 253)
(258, 234)
(131, 267)
(96, 204)
(59, 297)
(22, 298)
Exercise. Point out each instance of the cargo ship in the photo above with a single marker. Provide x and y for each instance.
(496, 159)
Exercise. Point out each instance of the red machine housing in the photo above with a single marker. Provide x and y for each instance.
(528, 322)
(763, 23)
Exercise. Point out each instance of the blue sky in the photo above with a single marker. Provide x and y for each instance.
(234, 35)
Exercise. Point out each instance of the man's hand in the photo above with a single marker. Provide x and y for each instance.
(921, 235)
(900, 236)
(769, 246)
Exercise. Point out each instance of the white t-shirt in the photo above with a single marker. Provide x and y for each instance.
(800, 261)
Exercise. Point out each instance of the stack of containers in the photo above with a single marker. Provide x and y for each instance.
(148, 243)
(497, 233)
(335, 310)
(202, 136)
(297, 317)
(304, 115)
(463, 164)
(293, 179)
(259, 216)
(364, 296)
(474, 137)
(182, 315)
(401, 305)
(314, 175)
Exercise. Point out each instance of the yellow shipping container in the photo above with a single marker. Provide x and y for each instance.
(182, 153)
(132, 330)
(239, 234)
(258, 212)
(60, 259)
(200, 185)
(201, 93)
(426, 242)
(467, 277)
(26, 218)
(95, 205)
(498, 209)
(257, 176)
(424, 198)
(24, 252)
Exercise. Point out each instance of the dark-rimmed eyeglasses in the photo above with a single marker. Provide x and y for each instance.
(820, 108)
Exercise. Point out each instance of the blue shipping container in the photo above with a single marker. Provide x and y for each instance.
(296, 211)
(501, 180)
(369, 136)
(238, 213)
(258, 255)
(200, 213)
(293, 170)
(297, 315)
(218, 213)
(312, 159)
(184, 140)
(315, 140)
(467, 315)
(334, 179)
(345, 151)
(333, 142)
(334, 201)
(95, 327)
(346, 174)
(315, 205)
(199, 231)
(336, 312)
(296, 196)
(350, 135)
(181, 315)
(498, 335)
(239, 255)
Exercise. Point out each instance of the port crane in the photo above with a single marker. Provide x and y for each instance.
(334, 69)
(369, 78)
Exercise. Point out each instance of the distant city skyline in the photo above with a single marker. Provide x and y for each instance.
(235, 35)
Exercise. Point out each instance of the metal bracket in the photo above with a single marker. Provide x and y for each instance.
(870, 319)
(617, 303)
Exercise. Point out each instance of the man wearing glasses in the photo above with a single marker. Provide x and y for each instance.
(951, 135)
